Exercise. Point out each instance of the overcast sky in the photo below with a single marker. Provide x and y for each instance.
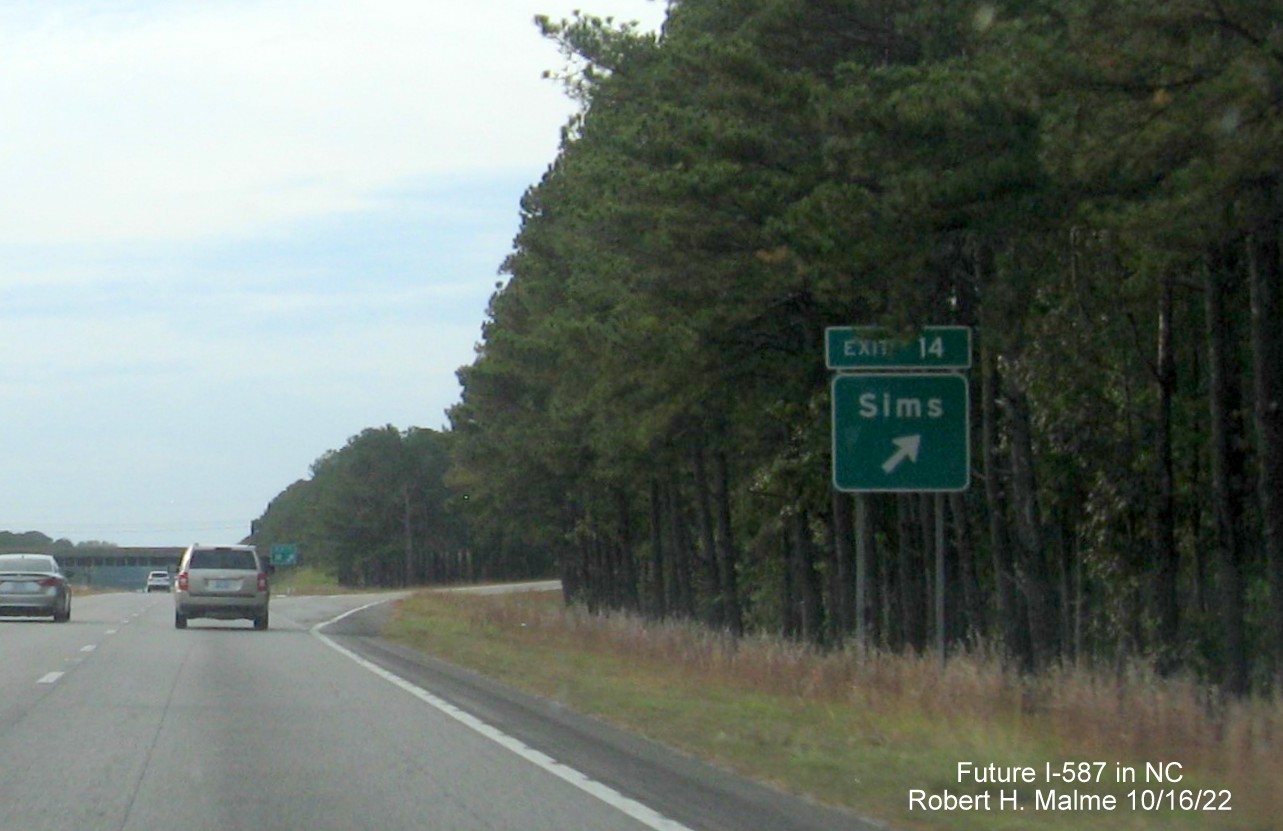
(235, 233)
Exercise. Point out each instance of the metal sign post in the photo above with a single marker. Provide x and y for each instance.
(901, 431)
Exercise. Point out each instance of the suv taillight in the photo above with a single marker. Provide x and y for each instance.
(262, 582)
(182, 581)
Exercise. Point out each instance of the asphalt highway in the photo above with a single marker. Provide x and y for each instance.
(117, 721)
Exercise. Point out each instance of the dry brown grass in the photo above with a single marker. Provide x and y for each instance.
(971, 707)
(1140, 717)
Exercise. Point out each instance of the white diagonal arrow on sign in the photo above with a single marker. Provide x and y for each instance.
(906, 448)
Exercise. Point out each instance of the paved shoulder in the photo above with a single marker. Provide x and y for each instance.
(689, 791)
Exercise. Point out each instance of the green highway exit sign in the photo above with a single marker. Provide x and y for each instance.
(874, 348)
(285, 554)
(906, 432)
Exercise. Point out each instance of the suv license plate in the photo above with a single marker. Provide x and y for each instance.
(223, 585)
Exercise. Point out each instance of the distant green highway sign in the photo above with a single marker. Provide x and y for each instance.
(285, 554)
(873, 348)
(901, 432)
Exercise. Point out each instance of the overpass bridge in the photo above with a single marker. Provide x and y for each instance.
(117, 567)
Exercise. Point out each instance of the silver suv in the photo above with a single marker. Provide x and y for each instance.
(225, 582)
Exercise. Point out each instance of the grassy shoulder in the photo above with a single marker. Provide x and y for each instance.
(305, 580)
(868, 732)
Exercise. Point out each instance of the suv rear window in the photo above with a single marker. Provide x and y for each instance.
(226, 558)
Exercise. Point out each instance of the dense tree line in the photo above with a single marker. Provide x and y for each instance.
(1093, 186)
(35, 542)
(376, 512)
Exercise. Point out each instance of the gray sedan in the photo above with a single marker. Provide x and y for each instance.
(32, 585)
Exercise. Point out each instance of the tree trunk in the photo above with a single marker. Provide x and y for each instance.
(1013, 634)
(1166, 554)
(727, 559)
(1201, 554)
(790, 600)
(1031, 565)
(627, 561)
(712, 598)
(970, 618)
(658, 592)
(910, 582)
(1265, 275)
(806, 579)
(680, 549)
(570, 574)
(1228, 472)
(590, 556)
(1065, 557)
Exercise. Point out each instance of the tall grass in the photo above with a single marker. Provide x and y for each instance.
(970, 705)
(1143, 717)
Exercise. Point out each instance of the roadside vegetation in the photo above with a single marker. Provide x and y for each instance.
(291, 580)
(860, 731)
(1093, 188)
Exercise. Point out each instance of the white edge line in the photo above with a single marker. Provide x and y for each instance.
(630, 807)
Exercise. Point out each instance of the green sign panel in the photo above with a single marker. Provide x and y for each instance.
(901, 432)
(285, 555)
(873, 348)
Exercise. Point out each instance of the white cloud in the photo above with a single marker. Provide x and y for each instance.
(235, 233)
(179, 120)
